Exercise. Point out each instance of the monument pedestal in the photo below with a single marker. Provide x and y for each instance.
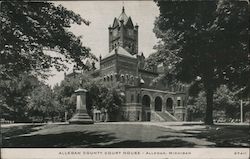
(81, 116)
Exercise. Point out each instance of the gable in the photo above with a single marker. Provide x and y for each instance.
(129, 23)
(115, 23)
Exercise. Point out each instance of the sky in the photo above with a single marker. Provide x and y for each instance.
(101, 14)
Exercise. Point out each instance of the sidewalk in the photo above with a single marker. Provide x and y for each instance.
(160, 124)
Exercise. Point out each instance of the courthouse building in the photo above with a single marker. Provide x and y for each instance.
(145, 98)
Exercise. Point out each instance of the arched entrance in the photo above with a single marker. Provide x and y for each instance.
(146, 101)
(169, 104)
(158, 104)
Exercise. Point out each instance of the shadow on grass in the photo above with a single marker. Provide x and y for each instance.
(222, 136)
(18, 130)
(86, 139)
(228, 136)
(158, 144)
(70, 139)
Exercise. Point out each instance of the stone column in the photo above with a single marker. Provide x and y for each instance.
(152, 105)
(81, 116)
(164, 105)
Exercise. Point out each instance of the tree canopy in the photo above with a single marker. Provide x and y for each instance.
(205, 39)
(42, 103)
(14, 96)
(30, 29)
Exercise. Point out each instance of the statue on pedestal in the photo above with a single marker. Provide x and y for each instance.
(81, 116)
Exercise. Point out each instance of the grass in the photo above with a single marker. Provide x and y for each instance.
(124, 136)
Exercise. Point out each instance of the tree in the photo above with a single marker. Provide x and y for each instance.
(14, 96)
(29, 30)
(196, 107)
(98, 95)
(64, 93)
(42, 103)
(205, 39)
(225, 100)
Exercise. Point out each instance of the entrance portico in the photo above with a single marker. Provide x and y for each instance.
(154, 104)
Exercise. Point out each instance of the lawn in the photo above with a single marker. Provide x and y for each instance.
(125, 136)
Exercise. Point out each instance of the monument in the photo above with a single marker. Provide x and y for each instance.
(81, 116)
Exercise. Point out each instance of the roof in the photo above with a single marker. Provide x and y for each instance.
(123, 16)
(120, 51)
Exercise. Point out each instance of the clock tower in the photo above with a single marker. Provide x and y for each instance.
(123, 33)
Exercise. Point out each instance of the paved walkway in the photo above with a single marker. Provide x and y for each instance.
(160, 124)
(27, 124)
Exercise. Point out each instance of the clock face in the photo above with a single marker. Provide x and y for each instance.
(115, 33)
(130, 32)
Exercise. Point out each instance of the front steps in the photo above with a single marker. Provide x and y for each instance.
(162, 116)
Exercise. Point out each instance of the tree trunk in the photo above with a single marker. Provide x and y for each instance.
(209, 106)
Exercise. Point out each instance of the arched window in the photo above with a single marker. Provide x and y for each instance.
(146, 101)
(158, 104)
(169, 104)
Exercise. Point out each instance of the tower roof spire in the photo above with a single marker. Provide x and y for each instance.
(123, 9)
(123, 17)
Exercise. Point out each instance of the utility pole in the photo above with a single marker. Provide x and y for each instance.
(241, 111)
